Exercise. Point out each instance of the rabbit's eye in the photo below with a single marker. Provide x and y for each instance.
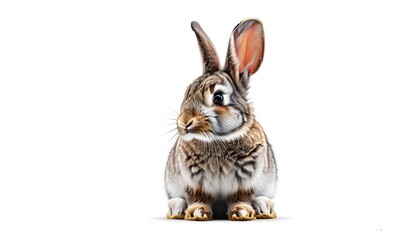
(218, 99)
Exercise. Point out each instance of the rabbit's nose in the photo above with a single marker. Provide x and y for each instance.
(189, 124)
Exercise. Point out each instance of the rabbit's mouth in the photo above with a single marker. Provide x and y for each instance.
(197, 124)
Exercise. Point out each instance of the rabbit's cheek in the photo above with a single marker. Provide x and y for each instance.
(228, 120)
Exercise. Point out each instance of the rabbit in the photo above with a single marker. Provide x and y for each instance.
(222, 159)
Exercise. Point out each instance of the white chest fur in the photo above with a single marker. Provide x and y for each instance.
(221, 185)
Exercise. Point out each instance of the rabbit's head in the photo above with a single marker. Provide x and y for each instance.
(215, 106)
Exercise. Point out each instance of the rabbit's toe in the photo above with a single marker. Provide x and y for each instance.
(198, 212)
(177, 208)
(241, 212)
(264, 207)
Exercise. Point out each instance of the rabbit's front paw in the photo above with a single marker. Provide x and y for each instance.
(241, 212)
(198, 212)
(264, 207)
(176, 207)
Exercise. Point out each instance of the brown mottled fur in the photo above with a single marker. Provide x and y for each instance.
(197, 194)
(242, 195)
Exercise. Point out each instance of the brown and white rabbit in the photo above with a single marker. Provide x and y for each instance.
(222, 159)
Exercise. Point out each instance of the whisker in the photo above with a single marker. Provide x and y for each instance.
(168, 124)
(165, 134)
(175, 135)
(173, 129)
(172, 112)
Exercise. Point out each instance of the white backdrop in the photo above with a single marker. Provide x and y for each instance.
(88, 91)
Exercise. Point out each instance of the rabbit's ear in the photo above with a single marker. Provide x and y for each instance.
(245, 50)
(209, 56)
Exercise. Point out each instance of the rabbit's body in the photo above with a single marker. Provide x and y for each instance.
(220, 168)
(222, 155)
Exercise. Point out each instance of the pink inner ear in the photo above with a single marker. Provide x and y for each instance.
(249, 47)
